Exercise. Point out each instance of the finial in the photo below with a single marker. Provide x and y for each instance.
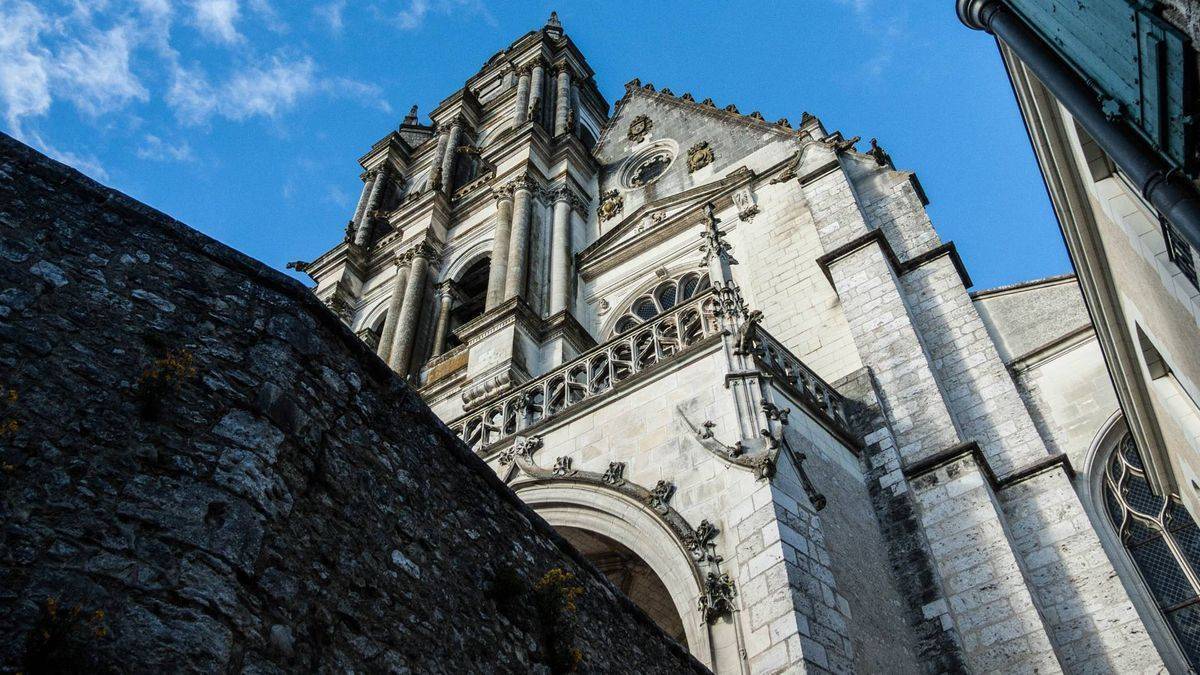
(553, 21)
(411, 118)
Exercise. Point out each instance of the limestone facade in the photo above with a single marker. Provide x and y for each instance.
(732, 361)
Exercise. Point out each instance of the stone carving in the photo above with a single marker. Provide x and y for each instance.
(562, 467)
(615, 475)
(661, 495)
(299, 265)
(743, 199)
(522, 448)
(759, 457)
(730, 303)
(879, 154)
(351, 228)
(604, 307)
(717, 599)
(639, 127)
(611, 204)
(341, 307)
(713, 238)
(483, 391)
(700, 155)
(742, 346)
(837, 143)
(789, 171)
(700, 543)
(774, 412)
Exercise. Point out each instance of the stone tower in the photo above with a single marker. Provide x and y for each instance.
(733, 363)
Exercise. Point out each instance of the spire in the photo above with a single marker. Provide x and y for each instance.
(411, 118)
(552, 23)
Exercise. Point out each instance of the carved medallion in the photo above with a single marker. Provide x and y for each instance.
(611, 204)
(699, 156)
(639, 127)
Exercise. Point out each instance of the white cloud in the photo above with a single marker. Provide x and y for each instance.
(104, 57)
(266, 11)
(156, 149)
(216, 19)
(332, 15)
(24, 63)
(96, 75)
(367, 94)
(414, 16)
(859, 7)
(253, 92)
(267, 91)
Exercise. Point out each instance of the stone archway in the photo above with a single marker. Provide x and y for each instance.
(629, 573)
(626, 538)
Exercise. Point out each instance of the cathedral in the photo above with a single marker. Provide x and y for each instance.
(730, 360)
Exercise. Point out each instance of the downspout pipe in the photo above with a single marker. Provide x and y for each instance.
(1164, 186)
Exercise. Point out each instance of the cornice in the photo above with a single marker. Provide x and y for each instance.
(729, 113)
(510, 312)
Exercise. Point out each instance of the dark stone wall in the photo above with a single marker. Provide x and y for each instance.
(201, 469)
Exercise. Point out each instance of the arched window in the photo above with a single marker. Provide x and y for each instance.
(662, 297)
(471, 290)
(1162, 540)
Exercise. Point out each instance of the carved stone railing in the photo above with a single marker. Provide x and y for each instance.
(598, 371)
(775, 358)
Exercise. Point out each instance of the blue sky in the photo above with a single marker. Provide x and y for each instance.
(244, 118)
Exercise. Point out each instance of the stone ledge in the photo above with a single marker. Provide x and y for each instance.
(952, 454)
(901, 267)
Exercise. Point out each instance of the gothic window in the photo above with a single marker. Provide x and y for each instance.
(662, 297)
(1162, 540)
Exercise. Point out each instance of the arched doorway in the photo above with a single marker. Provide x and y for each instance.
(631, 546)
(629, 573)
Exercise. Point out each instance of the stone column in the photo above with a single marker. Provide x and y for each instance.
(363, 235)
(518, 246)
(560, 251)
(410, 311)
(445, 297)
(498, 267)
(521, 111)
(537, 83)
(435, 164)
(367, 180)
(562, 102)
(450, 155)
(399, 283)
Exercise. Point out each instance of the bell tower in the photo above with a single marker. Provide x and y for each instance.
(458, 262)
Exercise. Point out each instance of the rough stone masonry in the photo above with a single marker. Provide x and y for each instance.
(204, 470)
